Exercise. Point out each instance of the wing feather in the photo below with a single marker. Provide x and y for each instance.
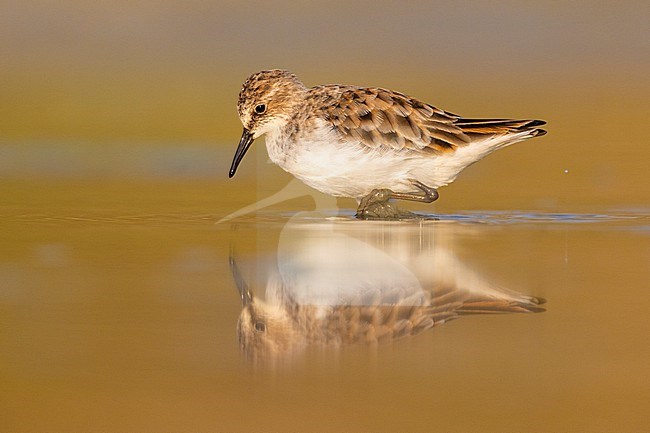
(383, 119)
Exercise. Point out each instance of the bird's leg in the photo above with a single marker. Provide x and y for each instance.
(376, 205)
(428, 195)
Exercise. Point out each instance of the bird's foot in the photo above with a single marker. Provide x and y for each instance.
(376, 206)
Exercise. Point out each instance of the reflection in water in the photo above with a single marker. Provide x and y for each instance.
(342, 282)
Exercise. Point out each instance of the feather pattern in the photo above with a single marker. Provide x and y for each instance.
(347, 140)
(384, 119)
(381, 118)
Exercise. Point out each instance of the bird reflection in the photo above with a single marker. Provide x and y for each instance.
(340, 283)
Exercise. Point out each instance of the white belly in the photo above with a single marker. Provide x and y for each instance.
(348, 169)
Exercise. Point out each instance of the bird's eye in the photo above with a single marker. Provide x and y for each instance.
(261, 108)
(260, 327)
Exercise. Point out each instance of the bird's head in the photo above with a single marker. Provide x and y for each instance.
(267, 331)
(267, 101)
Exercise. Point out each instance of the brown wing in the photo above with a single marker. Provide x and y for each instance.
(379, 118)
(374, 323)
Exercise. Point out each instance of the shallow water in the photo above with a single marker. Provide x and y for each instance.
(121, 299)
(141, 290)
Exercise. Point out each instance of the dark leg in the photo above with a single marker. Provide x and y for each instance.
(429, 195)
(376, 205)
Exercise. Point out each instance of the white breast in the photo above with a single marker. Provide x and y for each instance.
(339, 168)
(346, 168)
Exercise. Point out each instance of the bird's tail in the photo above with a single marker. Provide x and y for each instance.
(493, 127)
(521, 304)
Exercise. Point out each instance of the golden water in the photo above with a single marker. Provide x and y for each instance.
(120, 295)
(119, 311)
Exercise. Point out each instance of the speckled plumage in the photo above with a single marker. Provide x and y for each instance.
(377, 315)
(347, 141)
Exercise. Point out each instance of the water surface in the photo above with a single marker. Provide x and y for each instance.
(119, 312)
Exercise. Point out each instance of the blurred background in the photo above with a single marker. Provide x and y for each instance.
(147, 89)
(117, 128)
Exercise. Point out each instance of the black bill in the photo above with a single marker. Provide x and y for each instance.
(244, 143)
(242, 287)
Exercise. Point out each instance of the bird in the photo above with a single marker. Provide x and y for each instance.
(269, 330)
(335, 284)
(368, 143)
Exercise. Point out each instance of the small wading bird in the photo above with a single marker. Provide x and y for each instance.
(368, 143)
(333, 284)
